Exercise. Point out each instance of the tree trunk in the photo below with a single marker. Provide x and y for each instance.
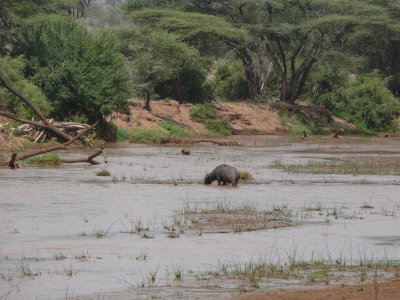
(284, 89)
(178, 94)
(148, 94)
(249, 71)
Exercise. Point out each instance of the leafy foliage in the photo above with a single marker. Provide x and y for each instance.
(12, 71)
(367, 103)
(230, 82)
(81, 74)
(16, 13)
(164, 65)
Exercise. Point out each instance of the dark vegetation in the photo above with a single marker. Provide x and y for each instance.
(79, 60)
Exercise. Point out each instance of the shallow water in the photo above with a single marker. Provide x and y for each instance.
(47, 213)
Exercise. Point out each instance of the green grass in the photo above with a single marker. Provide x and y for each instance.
(175, 130)
(50, 159)
(248, 275)
(122, 135)
(103, 173)
(207, 114)
(297, 124)
(142, 136)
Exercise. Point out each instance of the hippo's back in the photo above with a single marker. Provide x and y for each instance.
(227, 174)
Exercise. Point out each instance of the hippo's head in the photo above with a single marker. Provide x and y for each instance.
(207, 179)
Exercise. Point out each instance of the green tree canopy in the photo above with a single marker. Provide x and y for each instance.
(15, 13)
(159, 58)
(12, 70)
(82, 75)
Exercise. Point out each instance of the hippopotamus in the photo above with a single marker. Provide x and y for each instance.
(223, 173)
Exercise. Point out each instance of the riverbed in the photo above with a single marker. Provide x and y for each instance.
(66, 233)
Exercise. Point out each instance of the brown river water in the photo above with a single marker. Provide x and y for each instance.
(52, 219)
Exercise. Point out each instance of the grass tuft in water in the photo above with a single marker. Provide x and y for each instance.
(354, 166)
(103, 173)
(50, 160)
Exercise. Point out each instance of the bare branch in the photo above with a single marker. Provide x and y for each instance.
(41, 116)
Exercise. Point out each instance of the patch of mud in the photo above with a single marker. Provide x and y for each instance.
(381, 291)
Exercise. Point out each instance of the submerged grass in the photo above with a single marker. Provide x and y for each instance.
(251, 275)
(358, 166)
(227, 217)
(103, 173)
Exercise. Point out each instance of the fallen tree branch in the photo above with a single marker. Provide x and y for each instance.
(31, 106)
(338, 133)
(230, 143)
(88, 159)
(185, 141)
(13, 161)
(14, 117)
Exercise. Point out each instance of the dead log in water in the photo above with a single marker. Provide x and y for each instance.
(13, 163)
(338, 133)
(88, 159)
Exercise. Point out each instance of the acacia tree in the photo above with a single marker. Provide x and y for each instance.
(16, 13)
(157, 57)
(290, 35)
(204, 32)
(377, 40)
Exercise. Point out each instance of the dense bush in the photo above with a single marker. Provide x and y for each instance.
(12, 72)
(202, 113)
(365, 102)
(230, 82)
(81, 74)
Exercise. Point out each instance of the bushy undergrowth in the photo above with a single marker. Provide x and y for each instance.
(230, 82)
(297, 124)
(207, 115)
(365, 102)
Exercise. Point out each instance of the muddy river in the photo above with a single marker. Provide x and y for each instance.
(67, 233)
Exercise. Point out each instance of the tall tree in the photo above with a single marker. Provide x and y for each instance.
(291, 35)
(377, 39)
(15, 13)
(158, 57)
